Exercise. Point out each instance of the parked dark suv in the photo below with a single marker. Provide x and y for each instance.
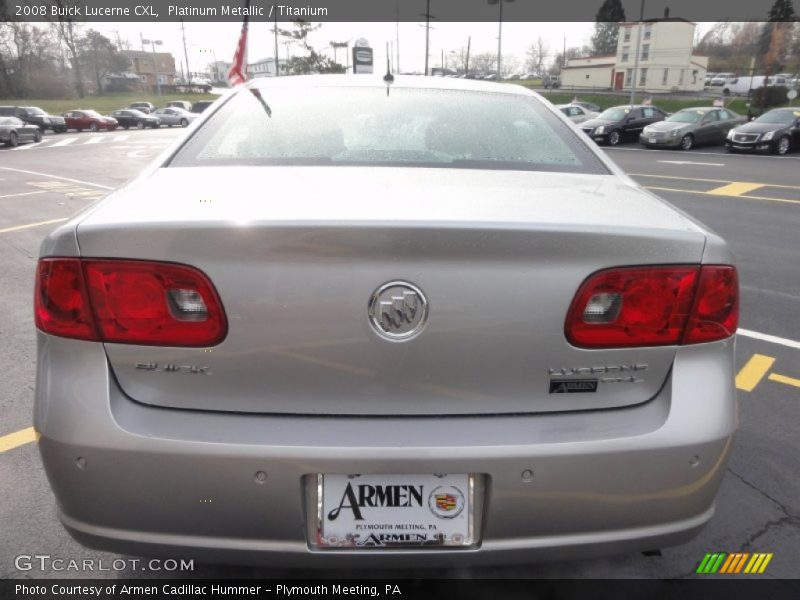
(621, 123)
(33, 115)
(200, 106)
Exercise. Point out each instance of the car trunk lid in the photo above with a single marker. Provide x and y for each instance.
(297, 253)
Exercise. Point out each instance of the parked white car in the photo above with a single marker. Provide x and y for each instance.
(576, 114)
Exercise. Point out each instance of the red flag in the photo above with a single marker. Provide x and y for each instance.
(238, 73)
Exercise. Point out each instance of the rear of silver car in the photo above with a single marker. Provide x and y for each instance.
(416, 356)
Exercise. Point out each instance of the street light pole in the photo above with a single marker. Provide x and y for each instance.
(636, 60)
(499, 37)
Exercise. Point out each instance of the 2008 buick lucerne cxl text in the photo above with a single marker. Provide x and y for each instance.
(416, 322)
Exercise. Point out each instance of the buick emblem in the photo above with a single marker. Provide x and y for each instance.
(398, 310)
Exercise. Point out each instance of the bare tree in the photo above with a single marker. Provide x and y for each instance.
(68, 33)
(536, 55)
(483, 63)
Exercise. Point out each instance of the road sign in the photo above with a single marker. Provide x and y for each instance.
(791, 94)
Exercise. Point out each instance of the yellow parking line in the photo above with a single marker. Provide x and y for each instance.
(17, 439)
(784, 379)
(775, 185)
(702, 193)
(753, 372)
(29, 225)
(737, 188)
(24, 194)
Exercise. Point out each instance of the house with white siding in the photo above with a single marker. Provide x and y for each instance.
(666, 60)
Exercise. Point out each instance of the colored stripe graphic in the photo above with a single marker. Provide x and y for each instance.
(724, 563)
(711, 563)
(758, 563)
(728, 564)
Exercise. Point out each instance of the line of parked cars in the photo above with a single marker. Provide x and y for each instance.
(28, 123)
(776, 131)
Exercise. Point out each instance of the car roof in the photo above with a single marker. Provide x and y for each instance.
(400, 81)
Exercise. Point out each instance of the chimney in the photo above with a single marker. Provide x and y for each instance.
(666, 12)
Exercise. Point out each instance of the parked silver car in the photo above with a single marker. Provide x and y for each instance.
(175, 116)
(691, 127)
(350, 322)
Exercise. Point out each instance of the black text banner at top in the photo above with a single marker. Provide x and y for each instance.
(375, 10)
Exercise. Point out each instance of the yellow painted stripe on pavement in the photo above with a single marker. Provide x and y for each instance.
(24, 194)
(737, 188)
(784, 379)
(775, 185)
(29, 225)
(17, 439)
(702, 193)
(753, 372)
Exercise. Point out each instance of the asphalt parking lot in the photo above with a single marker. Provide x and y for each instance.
(752, 201)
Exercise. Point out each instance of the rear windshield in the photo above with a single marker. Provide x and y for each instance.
(407, 127)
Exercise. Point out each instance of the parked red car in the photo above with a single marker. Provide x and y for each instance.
(88, 119)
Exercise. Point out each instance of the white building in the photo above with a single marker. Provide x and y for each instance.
(265, 67)
(219, 71)
(666, 61)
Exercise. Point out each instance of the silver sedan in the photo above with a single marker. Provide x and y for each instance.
(422, 322)
(175, 116)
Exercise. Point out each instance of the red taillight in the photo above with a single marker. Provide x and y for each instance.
(61, 306)
(132, 302)
(654, 306)
(715, 315)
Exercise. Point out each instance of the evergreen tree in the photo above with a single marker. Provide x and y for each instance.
(770, 44)
(606, 28)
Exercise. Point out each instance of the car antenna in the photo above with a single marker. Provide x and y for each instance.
(388, 78)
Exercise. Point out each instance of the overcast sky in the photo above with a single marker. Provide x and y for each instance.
(204, 41)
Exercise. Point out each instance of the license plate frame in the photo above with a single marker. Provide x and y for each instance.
(427, 524)
(651, 140)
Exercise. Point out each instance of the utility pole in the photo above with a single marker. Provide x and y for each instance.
(500, 43)
(427, 32)
(153, 44)
(277, 62)
(466, 63)
(397, 35)
(636, 60)
(186, 54)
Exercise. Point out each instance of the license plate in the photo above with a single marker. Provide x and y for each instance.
(385, 511)
(652, 140)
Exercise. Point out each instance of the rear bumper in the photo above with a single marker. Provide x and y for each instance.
(163, 482)
(660, 142)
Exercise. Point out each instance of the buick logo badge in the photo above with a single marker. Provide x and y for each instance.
(398, 310)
